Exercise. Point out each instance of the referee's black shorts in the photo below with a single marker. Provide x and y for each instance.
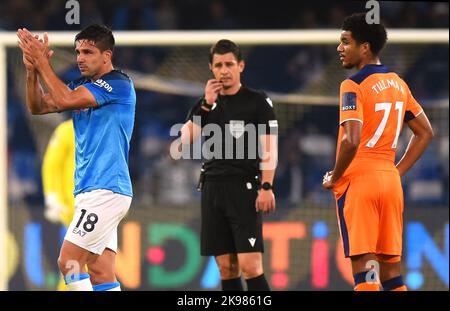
(230, 223)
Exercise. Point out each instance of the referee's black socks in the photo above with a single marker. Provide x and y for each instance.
(232, 285)
(258, 283)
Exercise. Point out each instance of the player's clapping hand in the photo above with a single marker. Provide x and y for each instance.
(327, 183)
(212, 89)
(28, 62)
(34, 49)
(265, 202)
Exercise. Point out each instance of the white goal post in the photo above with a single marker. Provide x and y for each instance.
(174, 38)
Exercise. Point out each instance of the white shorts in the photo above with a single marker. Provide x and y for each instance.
(97, 215)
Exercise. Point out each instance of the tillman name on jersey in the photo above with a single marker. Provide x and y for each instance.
(385, 84)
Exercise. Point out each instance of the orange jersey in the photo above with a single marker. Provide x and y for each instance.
(381, 101)
(369, 195)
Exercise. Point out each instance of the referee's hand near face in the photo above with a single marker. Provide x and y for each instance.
(212, 89)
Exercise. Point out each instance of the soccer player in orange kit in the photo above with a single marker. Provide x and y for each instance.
(374, 104)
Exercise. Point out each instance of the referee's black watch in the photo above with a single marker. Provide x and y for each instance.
(206, 105)
(266, 186)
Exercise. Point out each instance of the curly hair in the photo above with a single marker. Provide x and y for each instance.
(374, 34)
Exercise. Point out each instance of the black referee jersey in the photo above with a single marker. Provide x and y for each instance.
(237, 116)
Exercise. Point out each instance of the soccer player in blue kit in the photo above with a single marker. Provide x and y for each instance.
(103, 103)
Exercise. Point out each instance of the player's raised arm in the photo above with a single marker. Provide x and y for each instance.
(37, 102)
(60, 97)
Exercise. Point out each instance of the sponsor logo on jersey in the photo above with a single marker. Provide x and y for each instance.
(103, 84)
(79, 232)
(348, 101)
(269, 101)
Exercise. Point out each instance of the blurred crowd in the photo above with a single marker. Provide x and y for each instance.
(214, 14)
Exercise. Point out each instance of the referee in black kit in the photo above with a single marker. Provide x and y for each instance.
(238, 168)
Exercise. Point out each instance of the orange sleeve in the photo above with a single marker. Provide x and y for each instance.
(413, 109)
(350, 102)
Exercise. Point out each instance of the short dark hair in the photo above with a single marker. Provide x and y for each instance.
(225, 46)
(374, 34)
(99, 34)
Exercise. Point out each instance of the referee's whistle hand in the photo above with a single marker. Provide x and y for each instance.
(265, 202)
(212, 89)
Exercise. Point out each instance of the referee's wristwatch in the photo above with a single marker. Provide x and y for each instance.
(206, 105)
(266, 186)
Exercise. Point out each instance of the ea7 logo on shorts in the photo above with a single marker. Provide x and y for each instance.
(79, 232)
(348, 101)
(104, 84)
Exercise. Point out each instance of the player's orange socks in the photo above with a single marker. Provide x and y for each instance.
(361, 283)
(402, 288)
(395, 284)
(367, 287)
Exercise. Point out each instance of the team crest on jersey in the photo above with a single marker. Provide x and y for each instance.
(348, 101)
(237, 128)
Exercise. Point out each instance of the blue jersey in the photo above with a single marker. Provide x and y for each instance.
(103, 134)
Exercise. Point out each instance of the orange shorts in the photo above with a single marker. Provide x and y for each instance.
(369, 208)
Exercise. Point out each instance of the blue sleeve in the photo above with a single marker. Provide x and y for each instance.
(110, 91)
